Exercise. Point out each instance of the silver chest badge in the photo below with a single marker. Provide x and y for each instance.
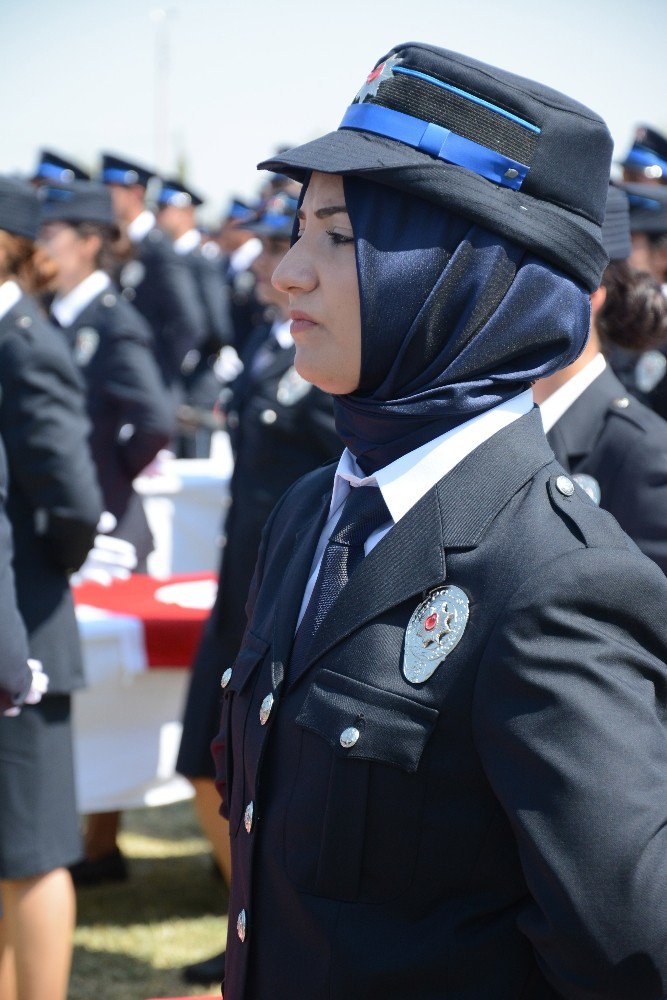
(87, 342)
(434, 630)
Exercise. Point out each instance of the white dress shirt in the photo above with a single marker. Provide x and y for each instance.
(553, 408)
(187, 242)
(404, 482)
(68, 308)
(141, 226)
(10, 294)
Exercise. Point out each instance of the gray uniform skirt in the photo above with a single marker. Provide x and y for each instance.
(39, 826)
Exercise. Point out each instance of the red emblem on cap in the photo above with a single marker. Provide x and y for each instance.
(431, 622)
(377, 76)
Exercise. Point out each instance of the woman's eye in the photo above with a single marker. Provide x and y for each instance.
(339, 239)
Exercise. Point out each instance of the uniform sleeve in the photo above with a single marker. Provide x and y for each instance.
(216, 301)
(185, 322)
(45, 431)
(132, 380)
(15, 675)
(569, 720)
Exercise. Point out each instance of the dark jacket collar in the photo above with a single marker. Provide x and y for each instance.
(576, 433)
(410, 559)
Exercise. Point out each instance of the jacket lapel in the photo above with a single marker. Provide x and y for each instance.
(294, 582)
(411, 558)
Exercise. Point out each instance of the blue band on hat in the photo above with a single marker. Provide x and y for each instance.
(468, 97)
(170, 196)
(52, 172)
(275, 221)
(240, 212)
(437, 141)
(114, 175)
(642, 157)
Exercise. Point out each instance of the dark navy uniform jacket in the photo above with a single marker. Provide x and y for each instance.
(281, 427)
(622, 444)
(127, 405)
(159, 284)
(202, 386)
(15, 675)
(497, 832)
(54, 500)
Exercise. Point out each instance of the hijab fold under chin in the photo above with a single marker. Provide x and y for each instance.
(454, 320)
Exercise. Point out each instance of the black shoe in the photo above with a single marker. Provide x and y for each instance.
(211, 970)
(110, 868)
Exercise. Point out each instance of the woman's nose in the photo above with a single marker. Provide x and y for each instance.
(295, 272)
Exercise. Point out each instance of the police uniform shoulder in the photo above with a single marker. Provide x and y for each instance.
(631, 411)
(584, 518)
(122, 319)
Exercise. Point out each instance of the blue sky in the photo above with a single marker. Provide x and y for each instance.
(244, 77)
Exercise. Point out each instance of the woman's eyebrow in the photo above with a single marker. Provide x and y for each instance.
(324, 213)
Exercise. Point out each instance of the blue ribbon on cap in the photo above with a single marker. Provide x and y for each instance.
(642, 157)
(52, 172)
(437, 141)
(114, 175)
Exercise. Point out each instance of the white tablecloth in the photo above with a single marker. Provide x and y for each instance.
(185, 507)
(127, 726)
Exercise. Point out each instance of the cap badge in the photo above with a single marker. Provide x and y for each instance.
(292, 388)
(87, 342)
(434, 630)
(379, 75)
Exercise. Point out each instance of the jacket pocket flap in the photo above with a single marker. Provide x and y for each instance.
(367, 722)
(251, 654)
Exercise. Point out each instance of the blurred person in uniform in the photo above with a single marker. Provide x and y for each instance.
(54, 505)
(156, 280)
(239, 248)
(280, 427)
(615, 448)
(642, 365)
(646, 160)
(443, 754)
(131, 419)
(52, 168)
(177, 206)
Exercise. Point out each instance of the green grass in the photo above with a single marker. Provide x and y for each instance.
(133, 938)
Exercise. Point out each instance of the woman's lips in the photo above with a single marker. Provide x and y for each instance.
(301, 322)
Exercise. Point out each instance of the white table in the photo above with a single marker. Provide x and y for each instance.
(185, 503)
(127, 721)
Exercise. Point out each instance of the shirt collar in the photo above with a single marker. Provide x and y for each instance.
(555, 405)
(187, 242)
(68, 308)
(10, 294)
(141, 226)
(404, 482)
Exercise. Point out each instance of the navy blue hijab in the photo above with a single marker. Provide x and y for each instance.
(454, 320)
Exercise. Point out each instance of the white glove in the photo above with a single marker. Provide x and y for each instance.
(39, 686)
(109, 559)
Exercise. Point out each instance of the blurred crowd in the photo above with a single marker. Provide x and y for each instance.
(127, 328)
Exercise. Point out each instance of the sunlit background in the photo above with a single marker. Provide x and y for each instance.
(206, 88)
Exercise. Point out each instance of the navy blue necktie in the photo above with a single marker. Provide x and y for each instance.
(364, 511)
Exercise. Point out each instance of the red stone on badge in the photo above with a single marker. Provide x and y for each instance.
(375, 73)
(431, 622)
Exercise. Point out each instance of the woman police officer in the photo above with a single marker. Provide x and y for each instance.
(54, 505)
(442, 753)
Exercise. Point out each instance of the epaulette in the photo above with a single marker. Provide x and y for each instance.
(592, 525)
